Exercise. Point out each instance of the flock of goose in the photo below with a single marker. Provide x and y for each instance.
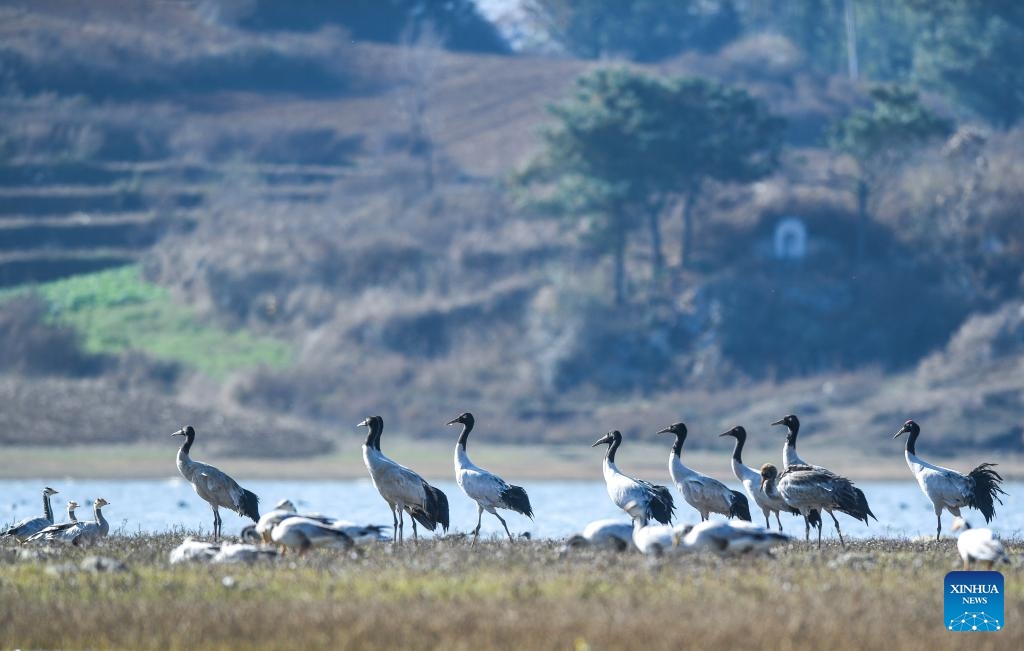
(801, 489)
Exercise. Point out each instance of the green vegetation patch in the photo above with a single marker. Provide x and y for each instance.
(117, 310)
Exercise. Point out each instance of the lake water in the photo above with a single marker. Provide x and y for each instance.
(561, 507)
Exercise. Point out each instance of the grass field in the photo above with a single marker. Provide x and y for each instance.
(449, 594)
(117, 310)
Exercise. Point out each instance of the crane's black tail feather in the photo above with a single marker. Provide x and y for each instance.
(516, 499)
(434, 510)
(660, 506)
(850, 500)
(986, 490)
(249, 506)
(739, 507)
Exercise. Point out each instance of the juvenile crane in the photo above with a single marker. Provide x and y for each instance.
(859, 508)
(978, 545)
(489, 491)
(214, 486)
(706, 494)
(751, 480)
(30, 526)
(807, 488)
(642, 500)
(401, 488)
(948, 489)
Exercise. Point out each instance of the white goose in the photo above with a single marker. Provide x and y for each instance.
(304, 534)
(214, 485)
(948, 489)
(489, 491)
(642, 500)
(33, 525)
(604, 534)
(732, 537)
(978, 545)
(706, 494)
(401, 488)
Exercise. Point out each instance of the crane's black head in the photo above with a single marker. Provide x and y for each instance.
(187, 431)
(909, 427)
(376, 426)
(465, 418)
(608, 439)
(737, 432)
(791, 422)
(372, 422)
(679, 429)
(47, 491)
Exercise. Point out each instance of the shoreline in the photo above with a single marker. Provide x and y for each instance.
(432, 460)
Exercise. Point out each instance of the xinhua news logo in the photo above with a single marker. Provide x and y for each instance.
(974, 601)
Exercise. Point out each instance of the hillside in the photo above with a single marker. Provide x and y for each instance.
(272, 234)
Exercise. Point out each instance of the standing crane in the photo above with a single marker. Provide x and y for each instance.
(751, 480)
(214, 485)
(641, 499)
(489, 491)
(808, 488)
(401, 488)
(706, 494)
(948, 489)
(860, 509)
(29, 526)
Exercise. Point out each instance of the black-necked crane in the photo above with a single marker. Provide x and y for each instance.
(859, 503)
(401, 488)
(22, 530)
(658, 539)
(706, 494)
(361, 534)
(808, 488)
(948, 489)
(85, 533)
(214, 485)
(641, 499)
(49, 533)
(604, 534)
(751, 480)
(978, 545)
(489, 491)
(724, 537)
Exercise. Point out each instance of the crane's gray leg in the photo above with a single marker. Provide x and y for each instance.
(394, 529)
(502, 521)
(216, 517)
(777, 519)
(819, 536)
(479, 521)
(767, 515)
(938, 524)
(807, 529)
(401, 525)
(838, 530)
(415, 536)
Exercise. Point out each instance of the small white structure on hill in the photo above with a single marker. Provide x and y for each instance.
(790, 240)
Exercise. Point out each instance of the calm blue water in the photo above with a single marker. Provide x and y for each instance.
(561, 507)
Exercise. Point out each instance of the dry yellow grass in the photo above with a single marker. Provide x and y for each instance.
(875, 594)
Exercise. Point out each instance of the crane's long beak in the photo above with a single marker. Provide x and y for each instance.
(729, 433)
(781, 421)
(600, 441)
(364, 423)
(667, 430)
(898, 433)
(180, 432)
(453, 422)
